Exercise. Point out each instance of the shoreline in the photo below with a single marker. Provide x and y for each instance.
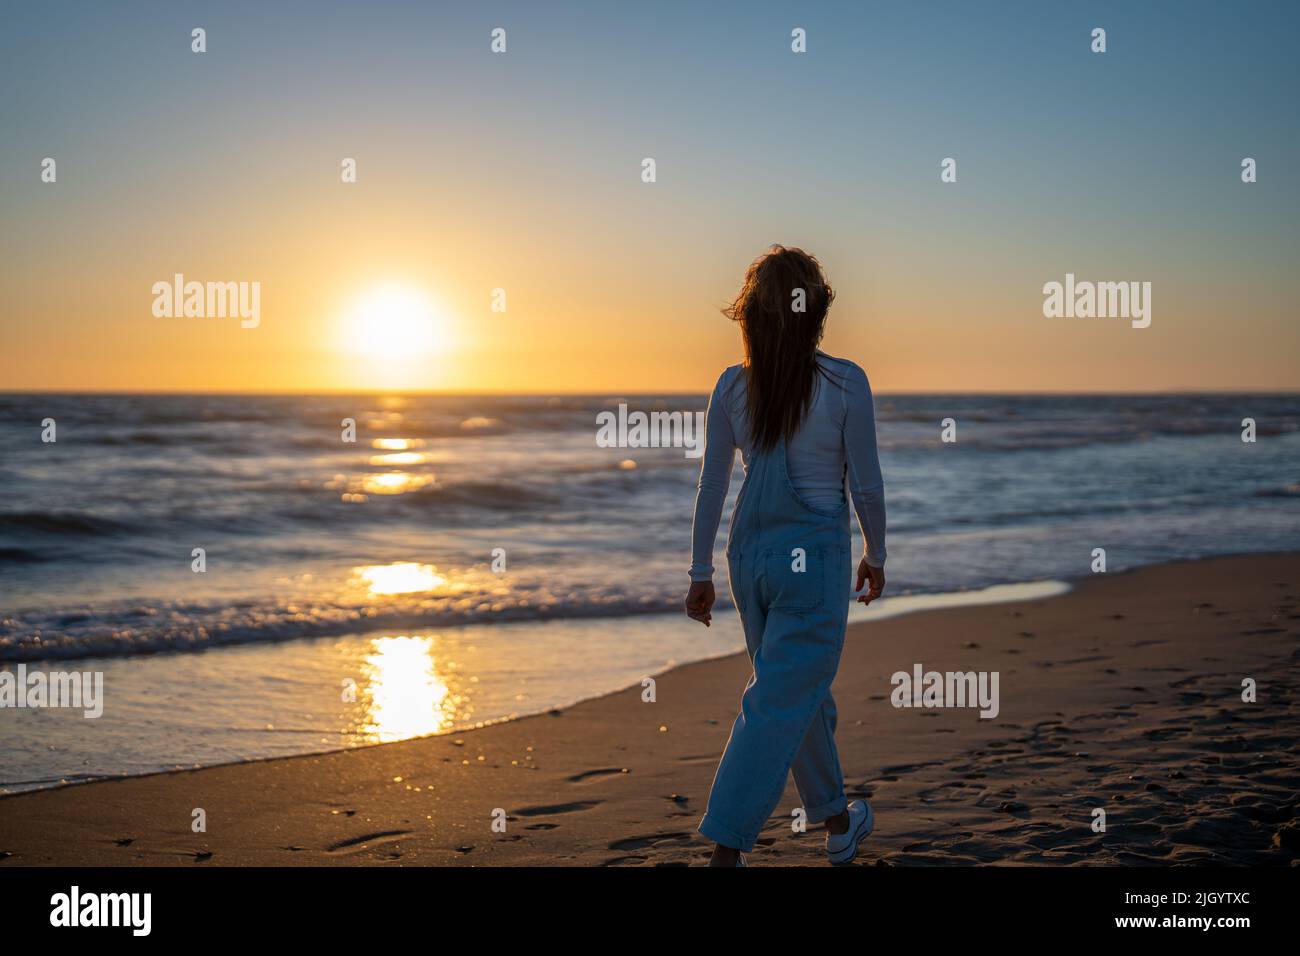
(354, 629)
(613, 780)
(151, 727)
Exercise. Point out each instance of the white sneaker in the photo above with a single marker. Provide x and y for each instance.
(843, 847)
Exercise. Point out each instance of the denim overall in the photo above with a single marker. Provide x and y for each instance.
(790, 567)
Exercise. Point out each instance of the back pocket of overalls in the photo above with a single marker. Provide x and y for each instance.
(796, 579)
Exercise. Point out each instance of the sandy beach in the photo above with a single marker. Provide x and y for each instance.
(1125, 695)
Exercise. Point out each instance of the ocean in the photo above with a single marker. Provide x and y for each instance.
(473, 558)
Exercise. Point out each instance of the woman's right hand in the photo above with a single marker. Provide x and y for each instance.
(699, 602)
(876, 576)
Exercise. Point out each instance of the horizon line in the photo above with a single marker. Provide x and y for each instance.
(531, 393)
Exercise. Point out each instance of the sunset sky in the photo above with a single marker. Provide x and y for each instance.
(522, 171)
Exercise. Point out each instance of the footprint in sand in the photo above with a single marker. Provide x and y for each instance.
(551, 809)
(588, 775)
(906, 768)
(366, 841)
(654, 841)
(700, 758)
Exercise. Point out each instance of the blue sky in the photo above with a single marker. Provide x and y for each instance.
(522, 170)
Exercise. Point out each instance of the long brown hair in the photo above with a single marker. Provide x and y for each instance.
(781, 308)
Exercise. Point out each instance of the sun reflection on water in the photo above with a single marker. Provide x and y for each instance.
(399, 458)
(405, 694)
(394, 483)
(405, 577)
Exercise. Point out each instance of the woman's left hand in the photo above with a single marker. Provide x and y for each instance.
(699, 602)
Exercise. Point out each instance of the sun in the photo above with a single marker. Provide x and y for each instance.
(394, 323)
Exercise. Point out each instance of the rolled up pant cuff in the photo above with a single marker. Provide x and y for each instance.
(725, 836)
(831, 808)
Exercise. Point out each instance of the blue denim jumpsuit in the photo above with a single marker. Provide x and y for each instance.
(790, 567)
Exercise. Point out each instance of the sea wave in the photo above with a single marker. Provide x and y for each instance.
(97, 527)
(123, 630)
(81, 524)
(1286, 491)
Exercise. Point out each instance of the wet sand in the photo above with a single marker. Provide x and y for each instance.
(1124, 695)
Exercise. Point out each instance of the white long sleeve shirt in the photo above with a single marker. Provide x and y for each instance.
(834, 444)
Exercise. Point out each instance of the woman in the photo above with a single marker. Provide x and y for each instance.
(803, 421)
